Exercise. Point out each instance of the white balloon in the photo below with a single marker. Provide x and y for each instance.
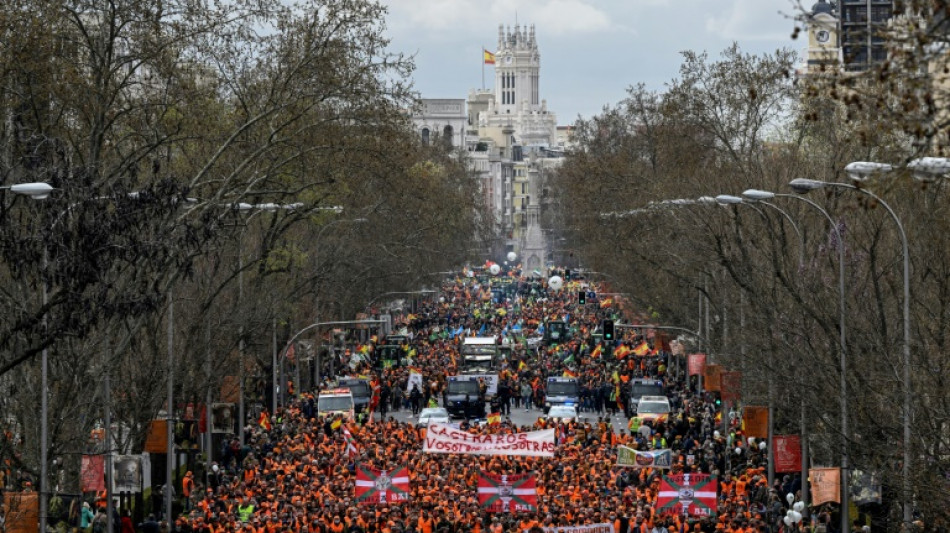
(787, 520)
(716, 434)
(799, 506)
(738, 450)
(512, 256)
(763, 445)
(556, 283)
(441, 299)
(751, 441)
(790, 498)
(494, 269)
(796, 516)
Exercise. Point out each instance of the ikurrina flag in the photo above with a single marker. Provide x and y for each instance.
(381, 486)
(692, 494)
(504, 493)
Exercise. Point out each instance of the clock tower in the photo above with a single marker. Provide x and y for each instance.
(823, 43)
(517, 69)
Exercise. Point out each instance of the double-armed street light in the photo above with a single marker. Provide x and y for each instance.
(858, 171)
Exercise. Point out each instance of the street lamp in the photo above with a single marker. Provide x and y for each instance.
(278, 358)
(36, 191)
(257, 208)
(803, 185)
(757, 195)
(929, 168)
(41, 191)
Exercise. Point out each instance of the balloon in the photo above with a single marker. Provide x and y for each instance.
(787, 520)
(751, 441)
(214, 467)
(556, 283)
(738, 450)
(494, 269)
(512, 256)
(790, 498)
(441, 299)
(763, 446)
(799, 506)
(796, 516)
(716, 434)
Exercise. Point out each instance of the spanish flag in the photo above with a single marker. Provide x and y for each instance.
(522, 365)
(494, 419)
(622, 351)
(569, 373)
(264, 421)
(336, 424)
(642, 349)
(597, 351)
(488, 57)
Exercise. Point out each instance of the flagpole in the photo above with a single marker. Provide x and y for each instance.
(483, 67)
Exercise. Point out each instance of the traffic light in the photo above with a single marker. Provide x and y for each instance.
(582, 297)
(567, 274)
(608, 330)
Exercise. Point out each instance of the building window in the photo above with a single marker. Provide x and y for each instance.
(425, 136)
(447, 135)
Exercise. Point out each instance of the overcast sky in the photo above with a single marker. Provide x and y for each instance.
(591, 50)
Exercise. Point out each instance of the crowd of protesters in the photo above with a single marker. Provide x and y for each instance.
(296, 475)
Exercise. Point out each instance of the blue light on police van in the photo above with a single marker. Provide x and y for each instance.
(568, 403)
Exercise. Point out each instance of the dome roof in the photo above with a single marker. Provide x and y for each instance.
(822, 7)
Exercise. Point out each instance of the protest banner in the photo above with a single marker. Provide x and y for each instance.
(92, 473)
(441, 438)
(788, 453)
(21, 512)
(731, 386)
(505, 493)
(156, 440)
(415, 379)
(755, 421)
(712, 378)
(381, 487)
(592, 528)
(825, 485)
(696, 364)
(637, 459)
(694, 493)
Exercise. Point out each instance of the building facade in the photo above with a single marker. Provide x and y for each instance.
(512, 141)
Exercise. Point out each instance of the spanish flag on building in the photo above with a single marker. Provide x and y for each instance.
(489, 57)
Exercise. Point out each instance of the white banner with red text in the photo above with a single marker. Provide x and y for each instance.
(592, 528)
(441, 438)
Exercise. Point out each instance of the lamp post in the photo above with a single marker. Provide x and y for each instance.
(41, 191)
(725, 199)
(279, 357)
(802, 185)
(758, 196)
(257, 208)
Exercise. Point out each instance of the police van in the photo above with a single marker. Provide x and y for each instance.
(336, 402)
(561, 391)
(644, 387)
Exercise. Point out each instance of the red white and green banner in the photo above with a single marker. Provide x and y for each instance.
(381, 486)
(504, 493)
(441, 438)
(692, 494)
